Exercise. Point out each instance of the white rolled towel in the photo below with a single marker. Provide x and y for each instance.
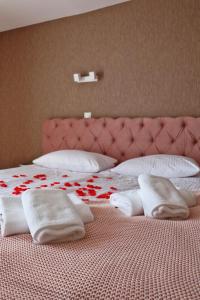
(51, 216)
(189, 197)
(129, 202)
(12, 218)
(161, 199)
(82, 208)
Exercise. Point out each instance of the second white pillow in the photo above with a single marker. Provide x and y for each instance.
(159, 165)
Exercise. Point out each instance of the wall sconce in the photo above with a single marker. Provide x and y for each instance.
(91, 77)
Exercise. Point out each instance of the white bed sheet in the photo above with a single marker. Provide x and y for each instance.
(93, 188)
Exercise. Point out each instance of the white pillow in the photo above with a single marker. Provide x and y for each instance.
(159, 165)
(76, 160)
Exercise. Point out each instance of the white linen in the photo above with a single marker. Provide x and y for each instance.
(161, 199)
(51, 216)
(128, 202)
(168, 166)
(106, 180)
(76, 160)
(12, 218)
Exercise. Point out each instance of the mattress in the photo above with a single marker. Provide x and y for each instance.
(120, 257)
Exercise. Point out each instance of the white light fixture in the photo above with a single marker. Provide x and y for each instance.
(91, 77)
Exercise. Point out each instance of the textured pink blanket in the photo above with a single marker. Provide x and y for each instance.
(120, 258)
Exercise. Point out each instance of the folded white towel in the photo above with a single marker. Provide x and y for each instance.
(128, 202)
(82, 208)
(161, 199)
(13, 221)
(51, 216)
(12, 218)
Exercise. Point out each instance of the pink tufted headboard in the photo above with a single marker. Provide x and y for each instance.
(125, 138)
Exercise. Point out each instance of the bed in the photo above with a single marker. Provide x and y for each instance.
(120, 257)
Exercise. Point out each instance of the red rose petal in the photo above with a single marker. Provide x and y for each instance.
(113, 188)
(92, 192)
(90, 180)
(3, 185)
(80, 193)
(67, 184)
(104, 196)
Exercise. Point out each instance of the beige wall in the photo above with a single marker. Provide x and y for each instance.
(148, 52)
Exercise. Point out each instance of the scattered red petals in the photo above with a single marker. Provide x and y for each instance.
(65, 176)
(67, 184)
(92, 192)
(40, 176)
(4, 185)
(96, 187)
(28, 181)
(20, 175)
(76, 184)
(90, 180)
(104, 196)
(113, 188)
(80, 193)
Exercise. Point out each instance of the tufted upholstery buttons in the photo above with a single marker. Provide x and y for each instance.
(142, 154)
(194, 142)
(137, 136)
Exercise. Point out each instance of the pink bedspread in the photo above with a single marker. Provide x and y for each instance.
(120, 258)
